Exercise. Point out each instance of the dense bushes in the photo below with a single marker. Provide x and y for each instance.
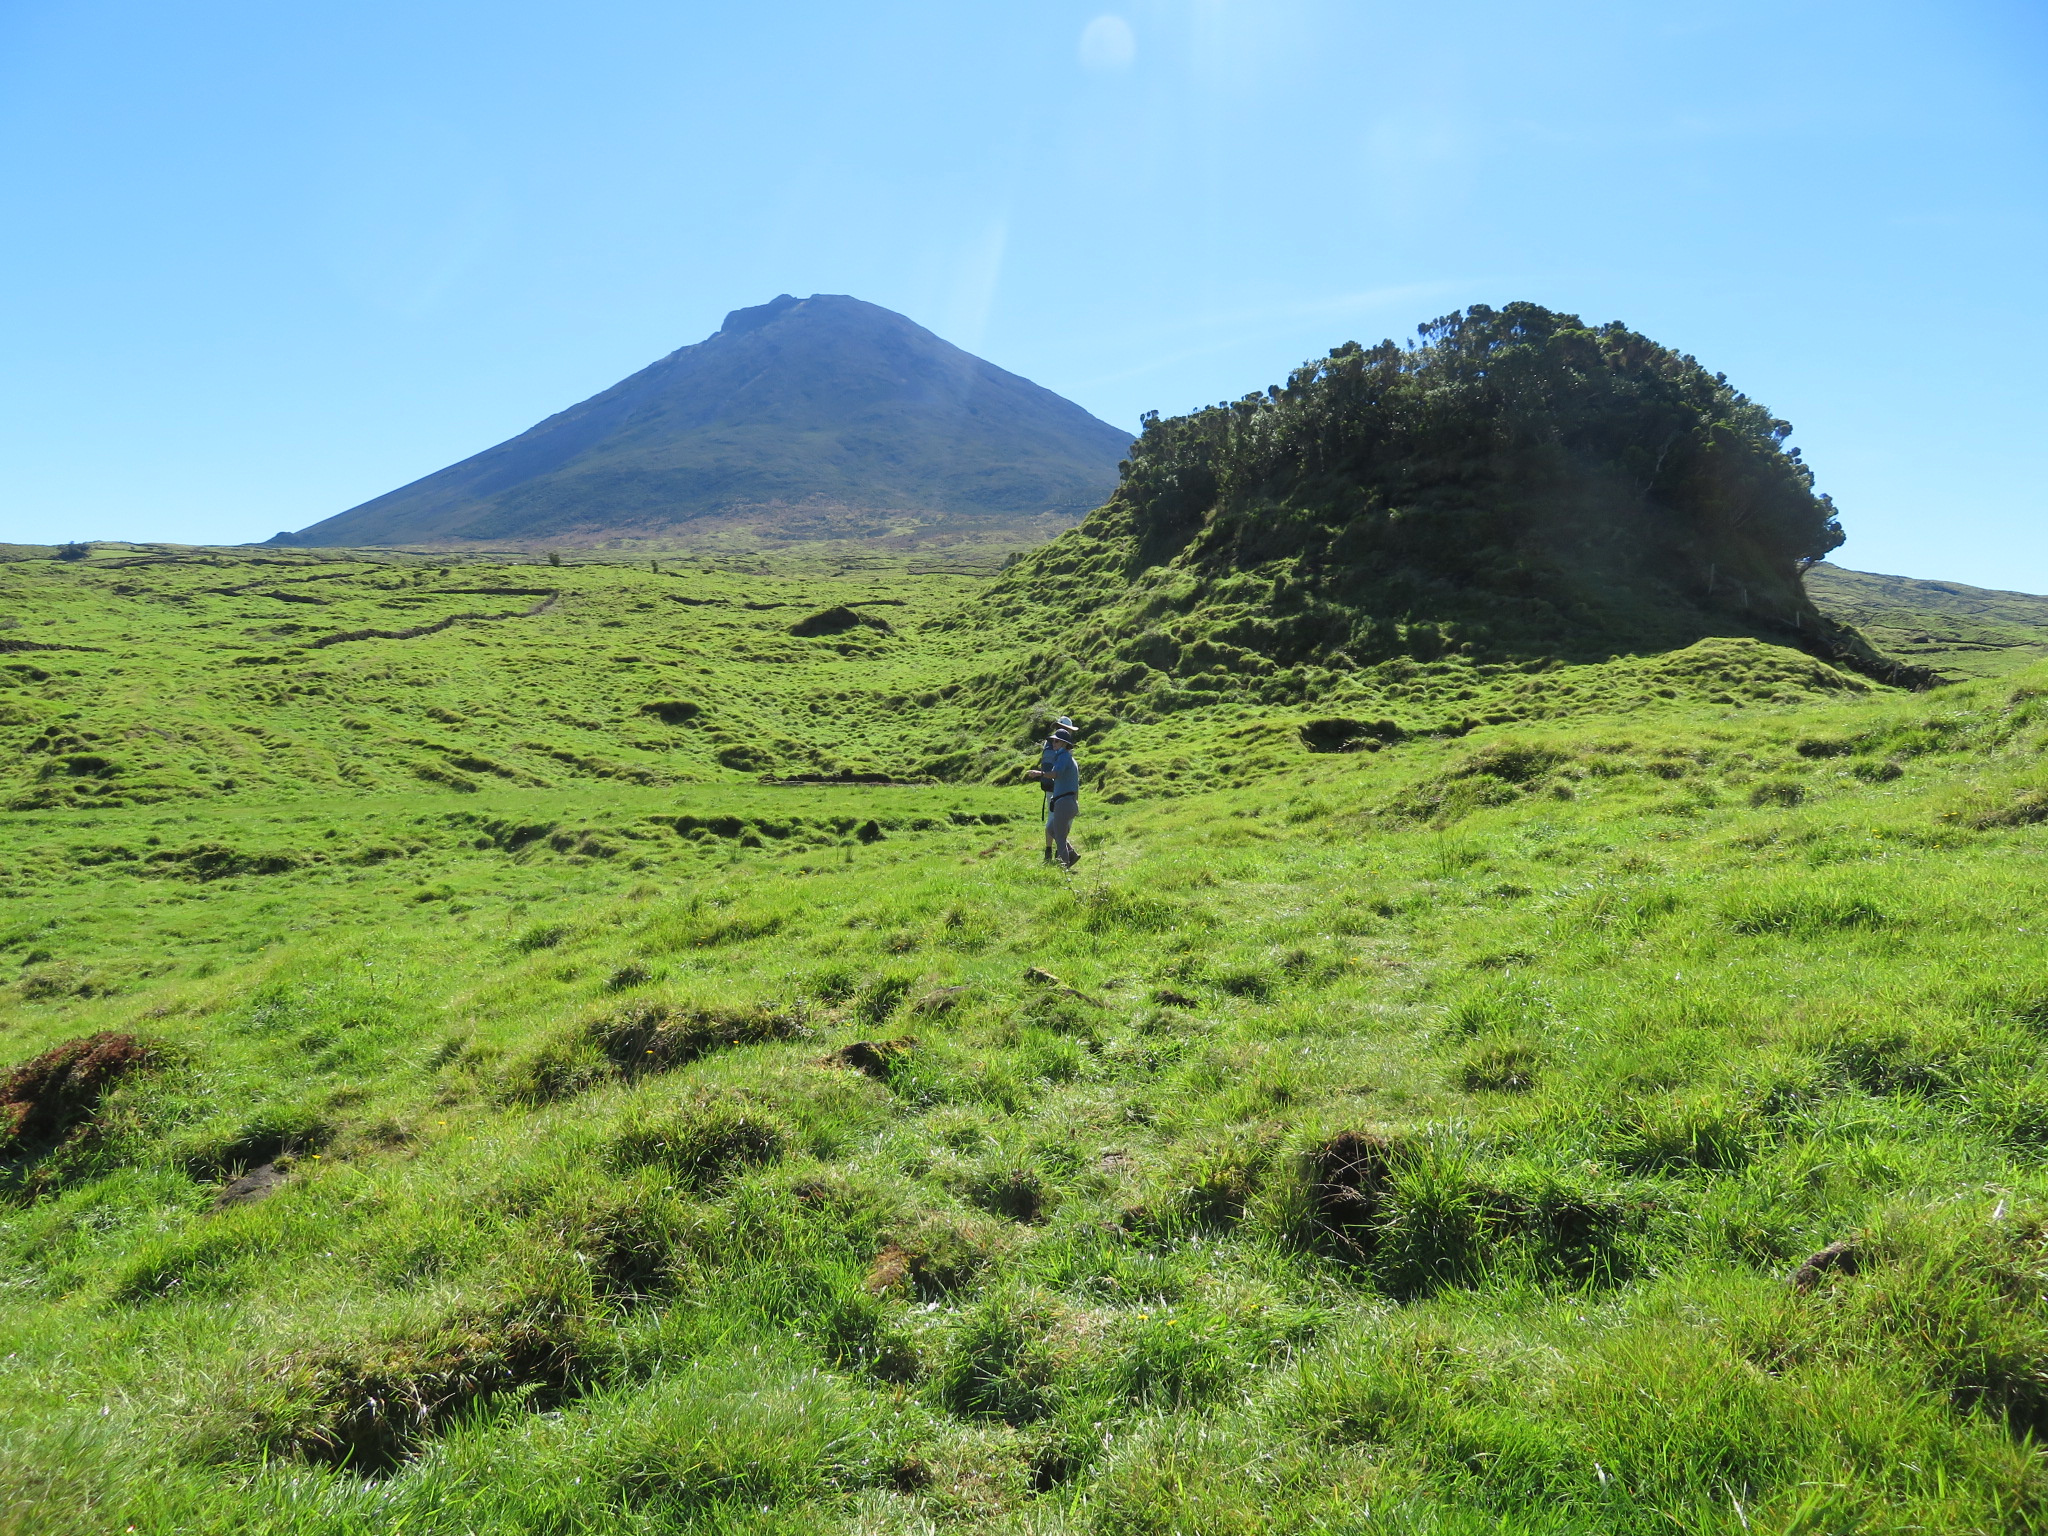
(1516, 485)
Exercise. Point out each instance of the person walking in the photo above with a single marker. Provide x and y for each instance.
(1061, 776)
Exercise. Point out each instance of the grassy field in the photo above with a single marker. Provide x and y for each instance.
(1601, 1098)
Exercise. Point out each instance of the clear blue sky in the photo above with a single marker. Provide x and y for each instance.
(262, 262)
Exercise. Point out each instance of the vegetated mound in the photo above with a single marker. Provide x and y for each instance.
(838, 621)
(812, 413)
(1517, 486)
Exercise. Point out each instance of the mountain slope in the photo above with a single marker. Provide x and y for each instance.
(1957, 630)
(820, 404)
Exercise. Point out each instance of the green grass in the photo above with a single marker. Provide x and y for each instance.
(1420, 1137)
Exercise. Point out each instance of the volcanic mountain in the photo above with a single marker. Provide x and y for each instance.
(824, 414)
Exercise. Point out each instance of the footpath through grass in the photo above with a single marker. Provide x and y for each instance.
(1625, 1114)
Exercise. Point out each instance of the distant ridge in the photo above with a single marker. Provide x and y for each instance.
(824, 414)
(1960, 631)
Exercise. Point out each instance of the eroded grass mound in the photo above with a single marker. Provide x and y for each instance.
(369, 1409)
(54, 1096)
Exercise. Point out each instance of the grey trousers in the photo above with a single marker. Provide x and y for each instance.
(1059, 825)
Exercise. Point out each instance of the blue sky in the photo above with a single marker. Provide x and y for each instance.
(263, 262)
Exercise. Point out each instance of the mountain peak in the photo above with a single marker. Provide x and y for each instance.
(741, 320)
(793, 411)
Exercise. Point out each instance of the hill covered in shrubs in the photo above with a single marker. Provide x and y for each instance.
(1515, 487)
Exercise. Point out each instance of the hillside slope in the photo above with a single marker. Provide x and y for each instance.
(446, 1097)
(1959, 631)
(823, 412)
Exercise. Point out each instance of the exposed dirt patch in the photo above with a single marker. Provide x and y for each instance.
(873, 1058)
(1838, 1258)
(1348, 1177)
(890, 1269)
(935, 1258)
(45, 1101)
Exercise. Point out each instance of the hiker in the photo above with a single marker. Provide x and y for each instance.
(1061, 776)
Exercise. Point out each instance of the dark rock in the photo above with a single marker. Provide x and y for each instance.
(257, 1184)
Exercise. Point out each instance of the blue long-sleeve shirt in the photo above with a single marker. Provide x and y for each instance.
(1066, 773)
